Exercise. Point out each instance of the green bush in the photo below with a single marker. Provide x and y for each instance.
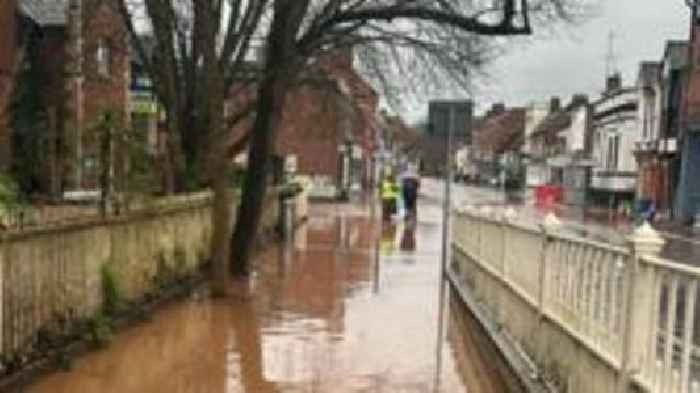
(180, 260)
(100, 329)
(112, 294)
(9, 192)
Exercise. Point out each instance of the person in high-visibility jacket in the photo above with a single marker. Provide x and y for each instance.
(390, 193)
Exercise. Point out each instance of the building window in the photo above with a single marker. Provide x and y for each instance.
(103, 58)
(613, 152)
(645, 122)
(649, 126)
(653, 133)
(90, 162)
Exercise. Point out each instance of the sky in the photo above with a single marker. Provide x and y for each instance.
(573, 60)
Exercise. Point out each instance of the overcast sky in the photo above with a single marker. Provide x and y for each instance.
(575, 60)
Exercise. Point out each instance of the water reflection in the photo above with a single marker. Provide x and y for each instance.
(318, 323)
(408, 237)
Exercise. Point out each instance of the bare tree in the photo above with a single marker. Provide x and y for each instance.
(200, 46)
(431, 42)
(195, 51)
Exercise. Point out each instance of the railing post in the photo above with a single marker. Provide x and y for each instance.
(638, 304)
(550, 225)
(509, 215)
(481, 218)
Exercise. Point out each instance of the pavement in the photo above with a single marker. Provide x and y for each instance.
(682, 243)
(350, 305)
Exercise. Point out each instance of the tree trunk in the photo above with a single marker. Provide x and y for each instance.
(221, 224)
(279, 71)
(255, 182)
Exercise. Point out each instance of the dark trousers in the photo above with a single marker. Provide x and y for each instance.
(409, 198)
(388, 207)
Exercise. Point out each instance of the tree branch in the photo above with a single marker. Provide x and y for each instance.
(437, 16)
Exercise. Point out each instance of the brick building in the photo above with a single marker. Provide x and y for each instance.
(8, 52)
(496, 141)
(330, 132)
(655, 151)
(80, 51)
(686, 183)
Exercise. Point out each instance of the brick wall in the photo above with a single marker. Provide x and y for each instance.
(102, 23)
(103, 92)
(7, 61)
(314, 123)
(314, 118)
(310, 129)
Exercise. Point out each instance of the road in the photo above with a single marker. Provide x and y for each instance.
(681, 245)
(350, 306)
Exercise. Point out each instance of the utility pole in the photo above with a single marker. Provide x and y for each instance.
(447, 198)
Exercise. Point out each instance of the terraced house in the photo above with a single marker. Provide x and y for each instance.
(614, 176)
(68, 63)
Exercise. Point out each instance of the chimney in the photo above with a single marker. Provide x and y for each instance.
(613, 83)
(497, 109)
(554, 104)
(579, 100)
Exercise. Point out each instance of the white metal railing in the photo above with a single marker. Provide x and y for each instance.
(636, 312)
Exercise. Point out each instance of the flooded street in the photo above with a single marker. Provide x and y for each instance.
(350, 307)
(682, 242)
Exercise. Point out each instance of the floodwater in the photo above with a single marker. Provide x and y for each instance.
(348, 307)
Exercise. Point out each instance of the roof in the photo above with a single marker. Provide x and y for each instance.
(501, 132)
(553, 124)
(45, 12)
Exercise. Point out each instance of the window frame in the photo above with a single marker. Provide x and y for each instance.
(103, 58)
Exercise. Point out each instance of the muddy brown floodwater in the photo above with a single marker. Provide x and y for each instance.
(349, 307)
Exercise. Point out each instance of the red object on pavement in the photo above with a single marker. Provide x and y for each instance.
(548, 195)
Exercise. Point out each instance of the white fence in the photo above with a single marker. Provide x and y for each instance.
(595, 317)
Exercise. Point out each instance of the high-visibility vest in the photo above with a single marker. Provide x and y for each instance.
(389, 190)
